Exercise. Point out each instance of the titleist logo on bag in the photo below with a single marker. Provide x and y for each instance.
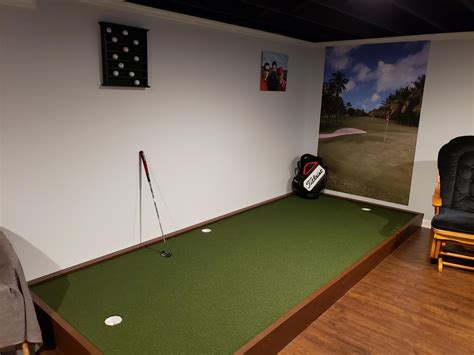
(313, 178)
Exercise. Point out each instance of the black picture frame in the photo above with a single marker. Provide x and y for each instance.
(124, 55)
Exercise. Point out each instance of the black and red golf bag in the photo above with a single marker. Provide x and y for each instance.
(310, 176)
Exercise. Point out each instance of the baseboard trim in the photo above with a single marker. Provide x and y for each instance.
(426, 223)
(26, 4)
(147, 243)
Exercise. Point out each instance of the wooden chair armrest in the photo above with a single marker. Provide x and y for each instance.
(436, 200)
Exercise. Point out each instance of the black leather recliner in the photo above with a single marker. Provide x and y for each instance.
(453, 223)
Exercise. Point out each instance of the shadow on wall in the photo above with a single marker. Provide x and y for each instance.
(292, 169)
(31, 257)
(423, 184)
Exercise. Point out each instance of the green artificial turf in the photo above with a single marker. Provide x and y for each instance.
(219, 289)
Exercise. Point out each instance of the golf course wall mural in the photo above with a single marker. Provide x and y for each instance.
(370, 112)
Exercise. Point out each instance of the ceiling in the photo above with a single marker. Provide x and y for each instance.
(332, 20)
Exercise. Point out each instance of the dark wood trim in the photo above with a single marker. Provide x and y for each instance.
(106, 257)
(68, 339)
(280, 333)
(67, 336)
(286, 328)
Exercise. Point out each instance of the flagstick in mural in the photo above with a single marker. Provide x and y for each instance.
(370, 112)
(386, 128)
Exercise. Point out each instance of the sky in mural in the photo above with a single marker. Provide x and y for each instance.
(376, 70)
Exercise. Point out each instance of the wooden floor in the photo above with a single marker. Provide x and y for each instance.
(403, 306)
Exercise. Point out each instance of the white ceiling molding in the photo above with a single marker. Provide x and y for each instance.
(122, 5)
(28, 4)
(427, 37)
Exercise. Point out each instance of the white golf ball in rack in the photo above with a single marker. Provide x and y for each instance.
(114, 39)
(137, 82)
(136, 58)
(131, 74)
(135, 42)
(115, 73)
(120, 65)
(125, 49)
(115, 56)
(109, 30)
(125, 32)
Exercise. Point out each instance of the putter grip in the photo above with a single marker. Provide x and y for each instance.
(145, 165)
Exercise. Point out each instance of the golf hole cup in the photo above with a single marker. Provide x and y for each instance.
(112, 321)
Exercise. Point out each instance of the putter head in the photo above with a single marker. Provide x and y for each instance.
(165, 253)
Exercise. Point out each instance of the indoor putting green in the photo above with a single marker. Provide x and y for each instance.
(219, 289)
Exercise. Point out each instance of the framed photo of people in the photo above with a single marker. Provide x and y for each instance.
(273, 71)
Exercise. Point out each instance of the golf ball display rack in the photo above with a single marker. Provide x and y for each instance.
(124, 55)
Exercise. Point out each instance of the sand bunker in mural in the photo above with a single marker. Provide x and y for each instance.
(341, 132)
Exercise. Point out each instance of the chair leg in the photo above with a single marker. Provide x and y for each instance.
(437, 247)
(440, 264)
(25, 348)
(433, 248)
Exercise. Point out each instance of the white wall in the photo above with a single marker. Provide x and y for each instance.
(215, 143)
(447, 112)
(314, 94)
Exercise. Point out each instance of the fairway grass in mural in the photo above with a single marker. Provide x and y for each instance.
(273, 71)
(370, 112)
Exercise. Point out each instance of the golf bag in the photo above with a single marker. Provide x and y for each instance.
(310, 176)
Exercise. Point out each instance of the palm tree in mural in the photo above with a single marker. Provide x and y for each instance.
(349, 109)
(328, 106)
(417, 93)
(403, 105)
(396, 104)
(338, 81)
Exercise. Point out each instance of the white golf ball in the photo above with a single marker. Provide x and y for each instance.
(136, 58)
(120, 65)
(131, 74)
(125, 49)
(114, 39)
(137, 82)
(135, 42)
(125, 32)
(109, 30)
(115, 56)
(115, 73)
